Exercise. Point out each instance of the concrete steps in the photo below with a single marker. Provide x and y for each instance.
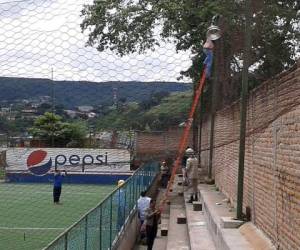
(225, 230)
(209, 224)
(199, 236)
(161, 240)
(177, 236)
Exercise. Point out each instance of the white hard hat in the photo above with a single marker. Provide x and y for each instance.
(121, 183)
(189, 151)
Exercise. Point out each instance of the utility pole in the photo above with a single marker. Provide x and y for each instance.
(212, 122)
(91, 133)
(52, 108)
(199, 134)
(195, 121)
(213, 34)
(214, 85)
(243, 112)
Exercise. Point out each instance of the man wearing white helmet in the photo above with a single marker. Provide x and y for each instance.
(192, 169)
(183, 167)
(121, 204)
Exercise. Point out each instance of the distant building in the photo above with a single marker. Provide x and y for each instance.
(71, 113)
(4, 111)
(29, 113)
(85, 109)
(45, 98)
(92, 115)
(8, 113)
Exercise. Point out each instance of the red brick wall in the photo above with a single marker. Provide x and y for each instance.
(158, 145)
(272, 162)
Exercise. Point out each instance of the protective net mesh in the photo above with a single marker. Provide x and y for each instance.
(88, 101)
(38, 36)
(97, 88)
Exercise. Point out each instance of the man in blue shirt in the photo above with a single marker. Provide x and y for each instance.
(58, 178)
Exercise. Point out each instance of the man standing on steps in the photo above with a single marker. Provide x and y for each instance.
(183, 165)
(152, 218)
(164, 169)
(143, 204)
(192, 169)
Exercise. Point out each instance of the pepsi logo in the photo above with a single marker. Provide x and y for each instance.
(37, 162)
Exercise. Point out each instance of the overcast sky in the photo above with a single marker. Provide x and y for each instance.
(37, 35)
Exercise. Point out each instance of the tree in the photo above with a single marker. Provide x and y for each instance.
(44, 107)
(132, 26)
(50, 125)
(75, 133)
(5, 125)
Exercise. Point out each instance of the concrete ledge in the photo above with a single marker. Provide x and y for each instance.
(164, 231)
(229, 222)
(197, 205)
(219, 216)
(200, 238)
(181, 219)
(164, 226)
(177, 235)
(256, 237)
(180, 193)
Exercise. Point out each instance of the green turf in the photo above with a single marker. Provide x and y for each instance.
(30, 220)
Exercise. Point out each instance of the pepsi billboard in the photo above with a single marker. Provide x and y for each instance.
(36, 164)
(41, 161)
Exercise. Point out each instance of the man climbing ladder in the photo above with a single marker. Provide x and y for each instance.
(208, 50)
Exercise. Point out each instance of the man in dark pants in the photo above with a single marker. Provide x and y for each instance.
(164, 169)
(143, 204)
(58, 178)
(152, 217)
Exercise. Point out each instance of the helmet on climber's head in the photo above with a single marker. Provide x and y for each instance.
(189, 152)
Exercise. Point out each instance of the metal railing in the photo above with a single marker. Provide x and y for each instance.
(99, 228)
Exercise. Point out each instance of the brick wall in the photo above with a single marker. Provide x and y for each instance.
(158, 145)
(272, 162)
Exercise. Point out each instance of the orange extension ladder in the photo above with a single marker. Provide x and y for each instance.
(184, 138)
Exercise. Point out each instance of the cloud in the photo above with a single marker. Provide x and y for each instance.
(36, 36)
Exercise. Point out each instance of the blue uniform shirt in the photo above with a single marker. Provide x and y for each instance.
(58, 180)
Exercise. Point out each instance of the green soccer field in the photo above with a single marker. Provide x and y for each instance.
(30, 220)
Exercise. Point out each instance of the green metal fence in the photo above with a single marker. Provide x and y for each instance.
(100, 227)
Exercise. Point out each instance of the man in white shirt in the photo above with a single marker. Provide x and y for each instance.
(192, 169)
(143, 204)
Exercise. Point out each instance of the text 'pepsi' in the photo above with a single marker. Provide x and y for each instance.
(76, 160)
